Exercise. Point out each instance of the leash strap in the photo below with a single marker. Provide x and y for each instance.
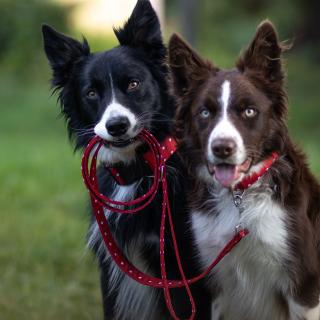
(101, 202)
(168, 147)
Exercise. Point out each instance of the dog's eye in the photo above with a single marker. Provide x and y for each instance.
(92, 94)
(249, 113)
(204, 113)
(133, 84)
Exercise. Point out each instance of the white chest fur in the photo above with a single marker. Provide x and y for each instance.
(252, 276)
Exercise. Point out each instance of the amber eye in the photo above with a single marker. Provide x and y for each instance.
(133, 84)
(92, 94)
(205, 113)
(249, 113)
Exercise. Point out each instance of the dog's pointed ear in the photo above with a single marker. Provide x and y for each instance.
(142, 30)
(188, 71)
(263, 55)
(62, 52)
(186, 65)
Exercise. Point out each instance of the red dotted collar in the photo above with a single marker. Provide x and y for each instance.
(252, 178)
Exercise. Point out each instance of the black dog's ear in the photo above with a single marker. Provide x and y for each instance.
(62, 52)
(263, 55)
(187, 67)
(142, 30)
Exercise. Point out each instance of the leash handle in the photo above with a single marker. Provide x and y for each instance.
(100, 202)
(166, 209)
(111, 204)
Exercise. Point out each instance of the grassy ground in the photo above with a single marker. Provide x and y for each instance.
(45, 271)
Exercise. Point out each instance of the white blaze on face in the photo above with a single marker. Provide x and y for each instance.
(225, 129)
(115, 110)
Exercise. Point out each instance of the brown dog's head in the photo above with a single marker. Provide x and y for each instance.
(229, 120)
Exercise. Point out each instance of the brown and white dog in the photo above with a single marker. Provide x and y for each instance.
(229, 122)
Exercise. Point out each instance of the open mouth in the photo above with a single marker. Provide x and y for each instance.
(227, 174)
(120, 143)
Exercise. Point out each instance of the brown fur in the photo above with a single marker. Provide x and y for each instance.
(258, 79)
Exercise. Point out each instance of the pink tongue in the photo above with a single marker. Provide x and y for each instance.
(225, 174)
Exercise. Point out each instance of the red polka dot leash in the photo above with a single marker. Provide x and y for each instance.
(157, 159)
(168, 147)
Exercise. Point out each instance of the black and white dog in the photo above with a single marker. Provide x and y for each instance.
(229, 123)
(114, 94)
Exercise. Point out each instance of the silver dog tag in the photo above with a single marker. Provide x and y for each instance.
(237, 197)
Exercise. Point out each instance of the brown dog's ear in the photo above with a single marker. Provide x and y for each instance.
(186, 65)
(263, 55)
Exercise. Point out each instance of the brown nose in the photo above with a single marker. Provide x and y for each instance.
(223, 148)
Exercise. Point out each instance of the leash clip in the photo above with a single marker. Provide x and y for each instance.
(237, 197)
(239, 228)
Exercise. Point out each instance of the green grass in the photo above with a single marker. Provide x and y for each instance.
(304, 110)
(45, 270)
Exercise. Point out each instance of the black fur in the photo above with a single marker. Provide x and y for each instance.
(140, 55)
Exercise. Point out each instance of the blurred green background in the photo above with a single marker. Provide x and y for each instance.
(45, 270)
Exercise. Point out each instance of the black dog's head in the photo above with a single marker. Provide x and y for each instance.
(115, 93)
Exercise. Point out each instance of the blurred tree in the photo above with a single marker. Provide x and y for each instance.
(229, 23)
(253, 6)
(20, 33)
(310, 30)
(188, 15)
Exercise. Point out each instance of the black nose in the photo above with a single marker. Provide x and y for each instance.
(223, 148)
(117, 126)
